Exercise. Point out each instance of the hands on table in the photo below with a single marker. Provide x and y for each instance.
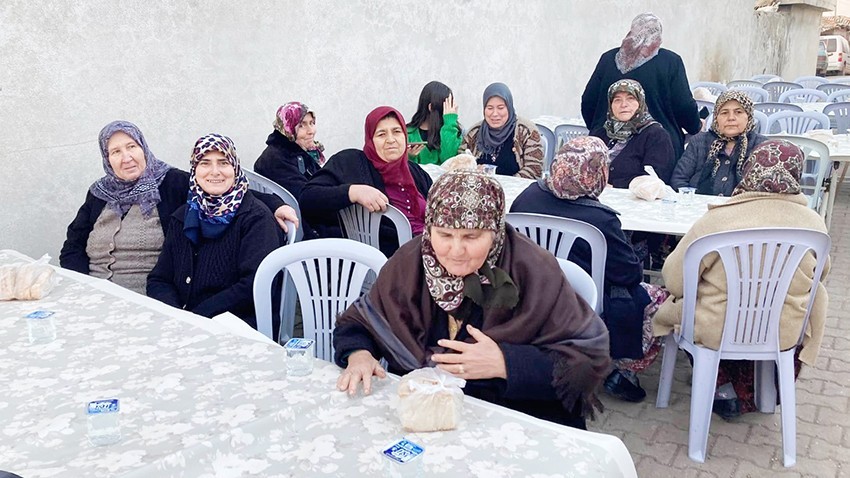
(361, 367)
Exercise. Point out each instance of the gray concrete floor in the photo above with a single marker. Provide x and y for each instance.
(751, 446)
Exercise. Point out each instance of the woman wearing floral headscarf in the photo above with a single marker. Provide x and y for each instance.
(482, 302)
(661, 73)
(635, 139)
(217, 240)
(767, 196)
(577, 177)
(714, 159)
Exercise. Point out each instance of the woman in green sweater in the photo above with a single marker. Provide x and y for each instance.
(434, 126)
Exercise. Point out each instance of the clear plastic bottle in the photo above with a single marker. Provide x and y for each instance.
(41, 328)
(104, 427)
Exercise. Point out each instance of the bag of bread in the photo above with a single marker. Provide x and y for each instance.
(27, 281)
(461, 161)
(648, 188)
(430, 399)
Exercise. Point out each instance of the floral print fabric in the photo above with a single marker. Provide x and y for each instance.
(775, 166)
(580, 169)
(216, 209)
(623, 130)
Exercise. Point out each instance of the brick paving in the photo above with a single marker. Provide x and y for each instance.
(751, 446)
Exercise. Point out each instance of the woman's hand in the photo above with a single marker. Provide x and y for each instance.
(361, 367)
(414, 150)
(286, 213)
(368, 197)
(449, 105)
(483, 359)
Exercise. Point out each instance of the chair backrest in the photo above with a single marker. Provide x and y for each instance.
(756, 93)
(735, 84)
(257, 182)
(547, 137)
(830, 88)
(566, 132)
(328, 275)
(816, 168)
(759, 264)
(761, 121)
(580, 282)
(811, 81)
(839, 95)
(776, 88)
(802, 95)
(765, 78)
(840, 113)
(361, 225)
(796, 122)
(707, 124)
(770, 108)
(557, 235)
(714, 87)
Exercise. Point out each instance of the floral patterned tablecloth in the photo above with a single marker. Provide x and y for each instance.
(198, 401)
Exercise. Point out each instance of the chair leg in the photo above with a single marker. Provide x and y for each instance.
(702, 397)
(765, 385)
(788, 396)
(287, 320)
(668, 365)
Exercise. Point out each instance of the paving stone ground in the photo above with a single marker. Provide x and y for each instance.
(752, 445)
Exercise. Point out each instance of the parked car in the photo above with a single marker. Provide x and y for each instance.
(823, 60)
(838, 53)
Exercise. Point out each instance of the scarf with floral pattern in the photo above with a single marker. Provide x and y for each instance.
(622, 131)
(580, 169)
(641, 44)
(774, 166)
(287, 120)
(740, 140)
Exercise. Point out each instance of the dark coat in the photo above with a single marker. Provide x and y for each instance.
(650, 147)
(624, 299)
(668, 94)
(690, 169)
(218, 274)
(327, 193)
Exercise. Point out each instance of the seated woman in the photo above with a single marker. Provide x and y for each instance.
(482, 302)
(577, 177)
(119, 230)
(378, 175)
(635, 139)
(435, 123)
(215, 242)
(504, 139)
(713, 161)
(768, 196)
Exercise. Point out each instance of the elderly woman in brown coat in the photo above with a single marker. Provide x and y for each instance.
(482, 302)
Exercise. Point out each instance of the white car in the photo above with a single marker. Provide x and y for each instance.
(838, 53)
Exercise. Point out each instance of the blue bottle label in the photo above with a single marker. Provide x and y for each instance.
(97, 407)
(403, 451)
(39, 314)
(298, 344)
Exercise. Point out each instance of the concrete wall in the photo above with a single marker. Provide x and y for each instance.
(182, 69)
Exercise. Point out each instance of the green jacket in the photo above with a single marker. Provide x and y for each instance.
(449, 142)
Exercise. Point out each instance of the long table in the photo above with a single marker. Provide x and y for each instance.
(635, 214)
(198, 400)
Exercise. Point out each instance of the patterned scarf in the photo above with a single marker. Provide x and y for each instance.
(623, 130)
(641, 44)
(209, 215)
(287, 120)
(580, 169)
(740, 140)
(775, 166)
(490, 139)
(121, 195)
(463, 199)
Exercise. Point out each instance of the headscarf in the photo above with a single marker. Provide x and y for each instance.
(464, 199)
(623, 130)
(641, 44)
(398, 181)
(580, 169)
(489, 139)
(121, 195)
(287, 120)
(774, 166)
(208, 216)
(741, 140)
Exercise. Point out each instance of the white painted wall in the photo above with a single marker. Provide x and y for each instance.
(182, 69)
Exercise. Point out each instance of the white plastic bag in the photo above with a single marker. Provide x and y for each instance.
(430, 399)
(648, 188)
(27, 280)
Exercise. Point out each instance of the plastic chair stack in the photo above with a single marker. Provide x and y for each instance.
(830, 88)
(802, 95)
(795, 122)
(811, 81)
(770, 108)
(776, 88)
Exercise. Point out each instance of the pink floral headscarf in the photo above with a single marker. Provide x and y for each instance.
(641, 44)
(287, 120)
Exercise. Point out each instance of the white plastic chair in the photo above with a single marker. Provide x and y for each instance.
(776, 88)
(263, 184)
(361, 225)
(802, 95)
(839, 95)
(811, 81)
(840, 115)
(761, 121)
(759, 265)
(712, 86)
(735, 84)
(328, 275)
(579, 281)
(830, 88)
(817, 168)
(558, 234)
(756, 93)
(566, 132)
(766, 78)
(794, 122)
(770, 108)
(547, 137)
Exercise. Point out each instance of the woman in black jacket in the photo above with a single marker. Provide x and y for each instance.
(378, 175)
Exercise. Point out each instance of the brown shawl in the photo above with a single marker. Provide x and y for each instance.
(399, 311)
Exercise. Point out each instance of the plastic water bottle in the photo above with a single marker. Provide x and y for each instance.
(42, 330)
(104, 427)
(299, 357)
